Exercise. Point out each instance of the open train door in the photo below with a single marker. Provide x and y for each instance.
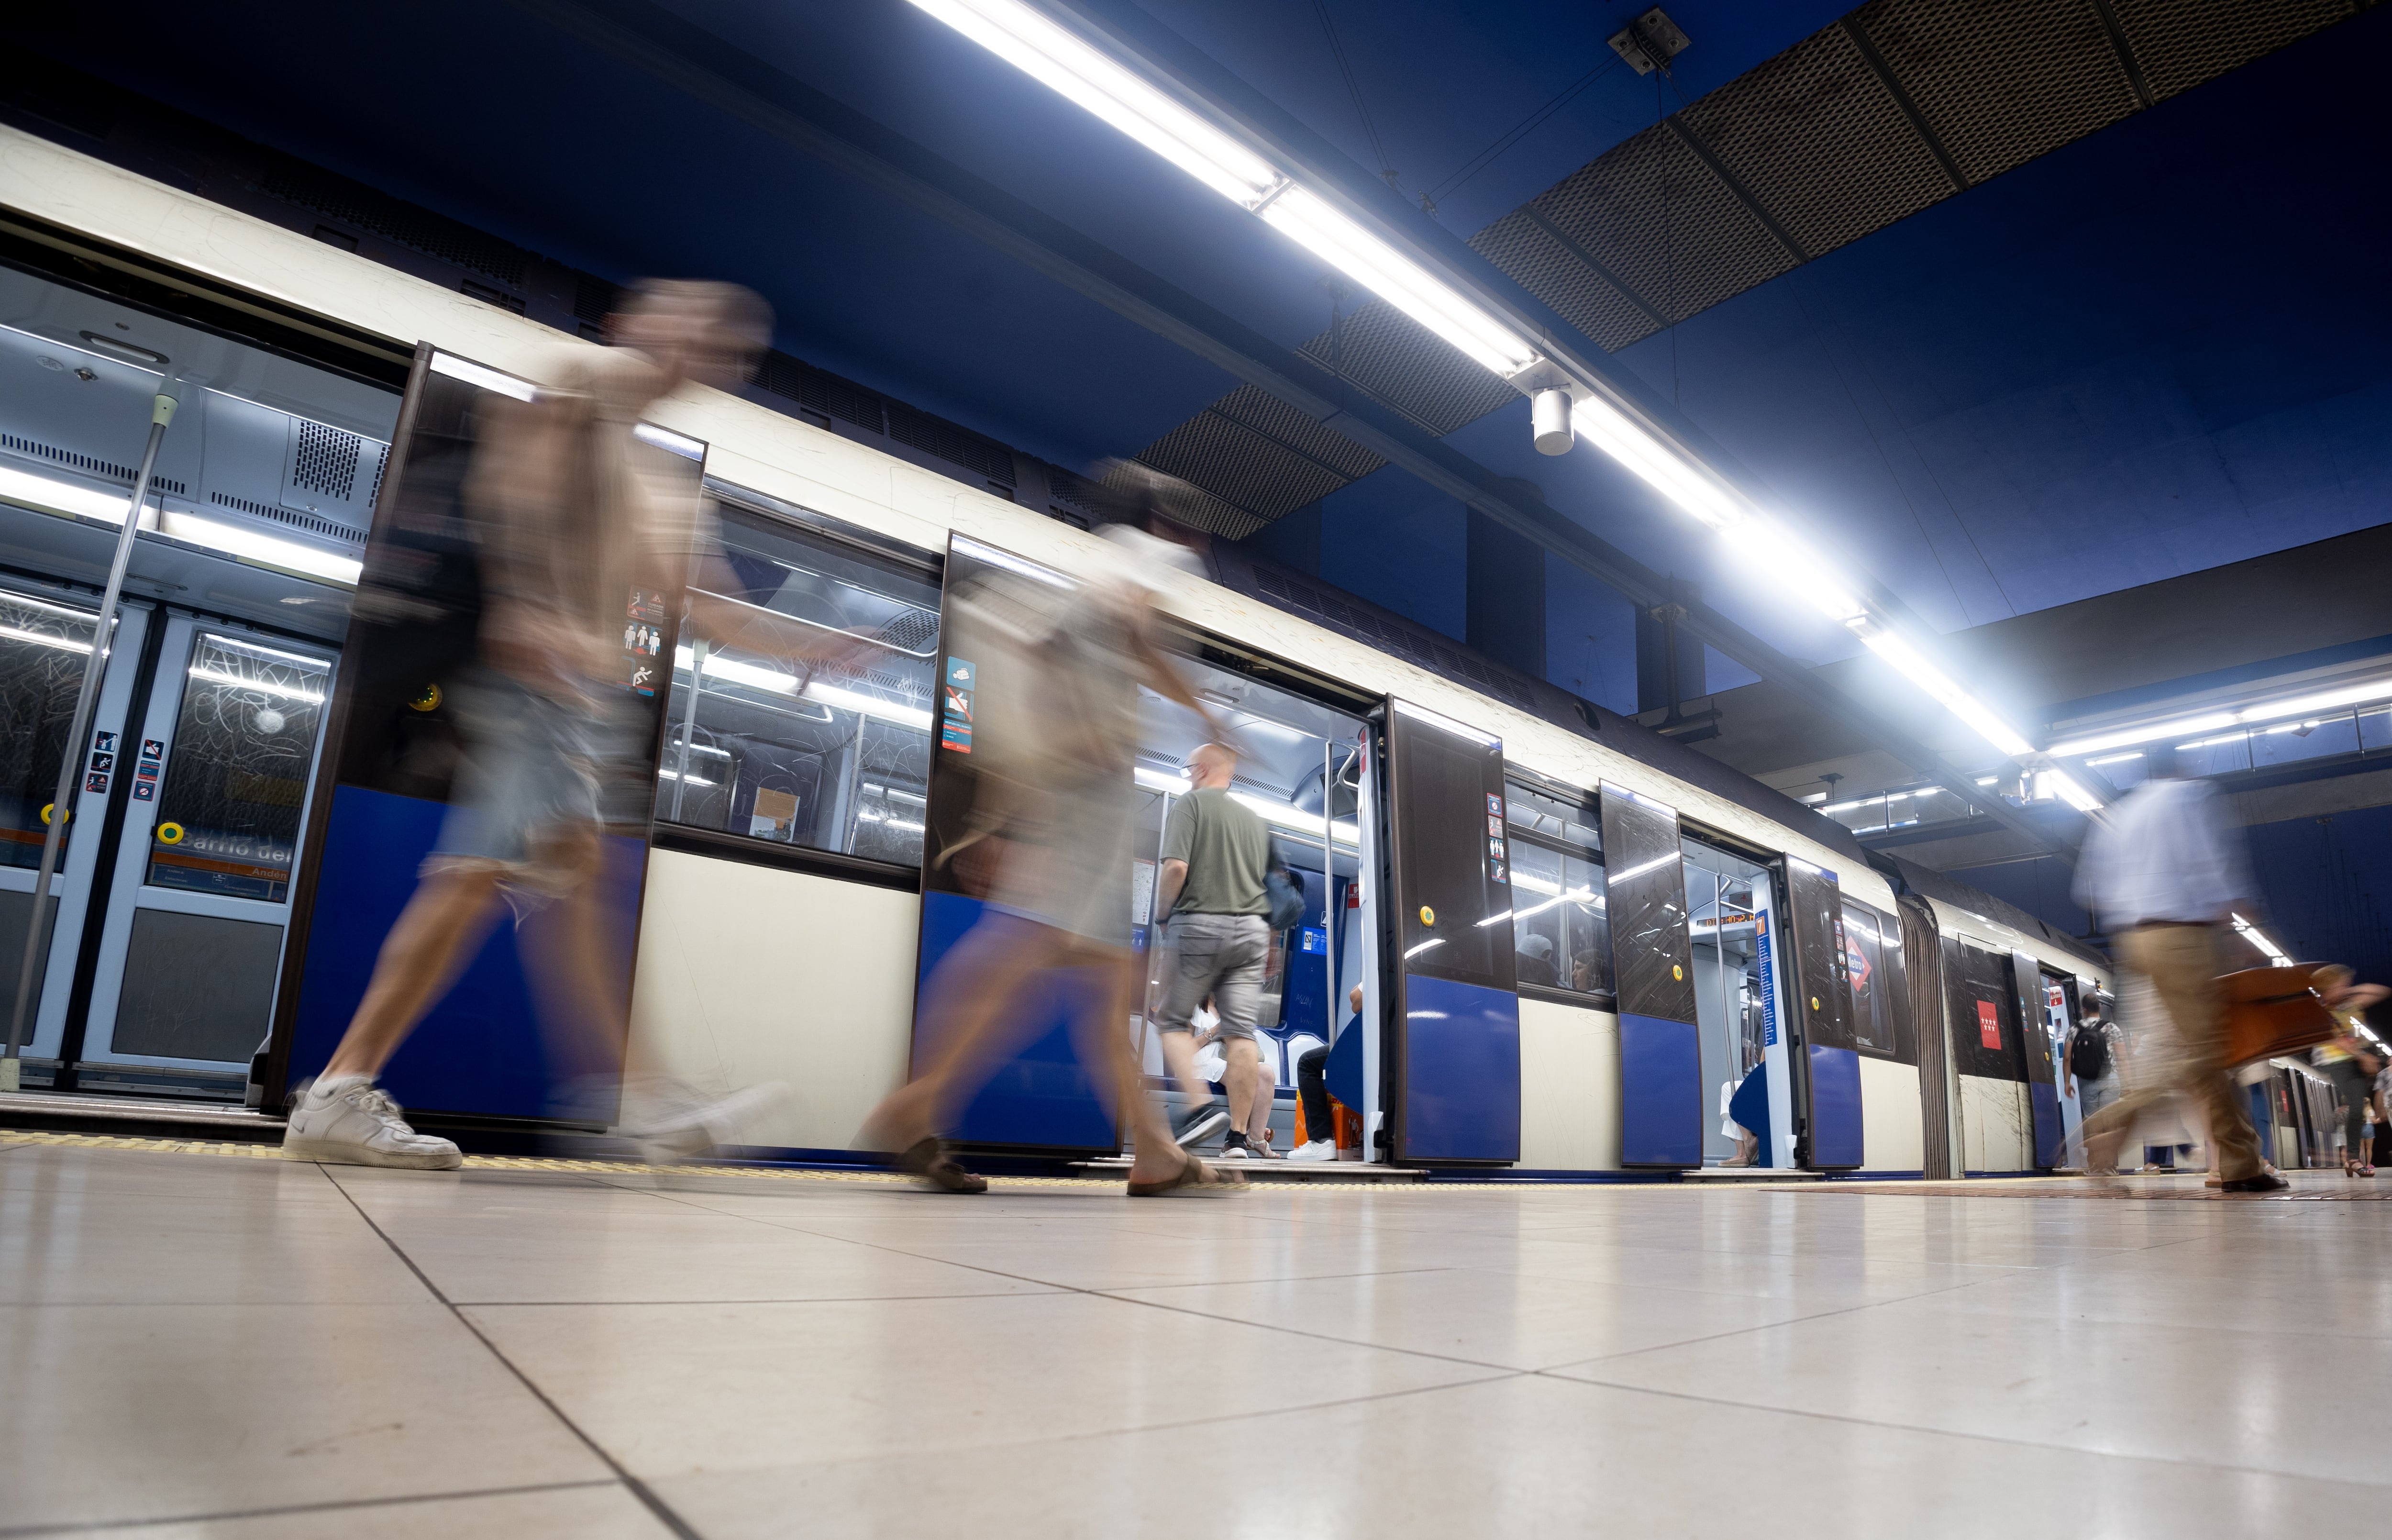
(1660, 1045)
(1823, 1000)
(2042, 1078)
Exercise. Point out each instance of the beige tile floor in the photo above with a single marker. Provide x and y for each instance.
(195, 1345)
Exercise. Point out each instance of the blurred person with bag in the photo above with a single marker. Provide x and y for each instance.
(2165, 873)
(2349, 1060)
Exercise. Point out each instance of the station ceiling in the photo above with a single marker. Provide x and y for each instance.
(2158, 345)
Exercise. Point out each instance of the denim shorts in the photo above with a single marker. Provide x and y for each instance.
(1220, 955)
(530, 770)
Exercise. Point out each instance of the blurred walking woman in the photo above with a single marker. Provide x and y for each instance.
(2349, 1059)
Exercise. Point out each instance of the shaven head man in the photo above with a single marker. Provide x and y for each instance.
(1215, 854)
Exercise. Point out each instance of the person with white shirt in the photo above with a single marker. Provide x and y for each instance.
(2166, 874)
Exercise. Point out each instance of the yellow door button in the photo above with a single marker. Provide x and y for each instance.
(1428, 916)
(170, 833)
(1815, 1002)
(1677, 972)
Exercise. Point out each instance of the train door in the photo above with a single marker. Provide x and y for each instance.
(45, 639)
(2061, 1017)
(1453, 1022)
(1662, 1102)
(216, 773)
(1299, 767)
(2041, 1066)
(1819, 984)
(1735, 944)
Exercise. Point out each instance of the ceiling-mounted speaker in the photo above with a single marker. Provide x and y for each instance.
(1550, 411)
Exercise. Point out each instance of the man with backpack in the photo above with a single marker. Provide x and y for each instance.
(1216, 866)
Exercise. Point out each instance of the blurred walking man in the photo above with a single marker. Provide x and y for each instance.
(2165, 875)
(565, 526)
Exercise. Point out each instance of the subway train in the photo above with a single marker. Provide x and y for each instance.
(1579, 944)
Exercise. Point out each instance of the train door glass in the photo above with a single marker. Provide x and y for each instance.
(2058, 1021)
(1729, 921)
(1294, 751)
(218, 774)
(45, 643)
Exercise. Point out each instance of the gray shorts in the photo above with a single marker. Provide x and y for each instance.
(1220, 955)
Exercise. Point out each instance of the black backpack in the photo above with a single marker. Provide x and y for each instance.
(2089, 1052)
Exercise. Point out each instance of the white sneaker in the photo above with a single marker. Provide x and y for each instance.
(676, 1127)
(1318, 1149)
(351, 1121)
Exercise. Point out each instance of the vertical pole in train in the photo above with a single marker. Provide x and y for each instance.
(161, 412)
(1332, 1005)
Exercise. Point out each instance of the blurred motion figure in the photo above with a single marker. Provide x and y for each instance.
(564, 529)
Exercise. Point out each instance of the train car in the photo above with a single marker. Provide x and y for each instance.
(1585, 951)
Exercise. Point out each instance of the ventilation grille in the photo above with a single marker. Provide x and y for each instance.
(401, 223)
(1434, 656)
(290, 516)
(956, 446)
(829, 398)
(326, 461)
(104, 468)
(1844, 133)
(382, 463)
(594, 298)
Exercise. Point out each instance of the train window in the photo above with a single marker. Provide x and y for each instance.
(43, 651)
(834, 758)
(1561, 927)
(1881, 994)
(229, 806)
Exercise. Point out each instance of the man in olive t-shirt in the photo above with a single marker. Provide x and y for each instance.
(1215, 853)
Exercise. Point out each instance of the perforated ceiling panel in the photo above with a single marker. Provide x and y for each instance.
(1898, 105)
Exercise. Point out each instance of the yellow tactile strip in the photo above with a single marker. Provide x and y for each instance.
(250, 1150)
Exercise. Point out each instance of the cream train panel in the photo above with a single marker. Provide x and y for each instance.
(756, 446)
(1889, 1126)
(1996, 1128)
(1569, 1087)
(750, 974)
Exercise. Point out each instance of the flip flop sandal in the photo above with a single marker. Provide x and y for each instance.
(1194, 1180)
(929, 1163)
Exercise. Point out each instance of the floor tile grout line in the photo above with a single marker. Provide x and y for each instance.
(339, 1506)
(638, 1488)
(1775, 1326)
(2006, 1442)
(1101, 1294)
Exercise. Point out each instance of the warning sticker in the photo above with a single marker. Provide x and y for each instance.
(1989, 1024)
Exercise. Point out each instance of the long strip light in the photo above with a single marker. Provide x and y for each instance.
(1053, 55)
(1277, 814)
(782, 682)
(2259, 938)
(2188, 727)
(48, 495)
(1913, 665)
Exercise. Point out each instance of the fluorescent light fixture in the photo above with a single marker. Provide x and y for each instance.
(1059, 59)
(288, 692)
(2056, 782)
(2115, 759)
(1913, 665)
(670, 441)
(2340, 696)
(476, 375)
(2259, 938)
(1309, 220)
(115, 358)
(780, 682)
(1675, 476)
(264, 550)
(1766, 545)
(1987, 780)
(1277, 814)
(47, 495)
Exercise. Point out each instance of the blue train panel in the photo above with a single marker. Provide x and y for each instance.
(2051, 1132)
(1461, 1071)
(1661, 1093)
(481, 1051)
(1040, 1094)
(1835, 1139)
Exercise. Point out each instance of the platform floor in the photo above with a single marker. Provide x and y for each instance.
(211, 1341)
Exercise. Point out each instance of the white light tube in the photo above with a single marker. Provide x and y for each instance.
(2257, 938)
(1308, 220)
(782, 683)
(2348, 695)
(1762, 544)
(1053, 56)
(288, 692)
(65, 497)
(267, 550)
(1667, 473)
(2059, 783)
(1278, 815)
(1912, 665)
(2115, 759)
